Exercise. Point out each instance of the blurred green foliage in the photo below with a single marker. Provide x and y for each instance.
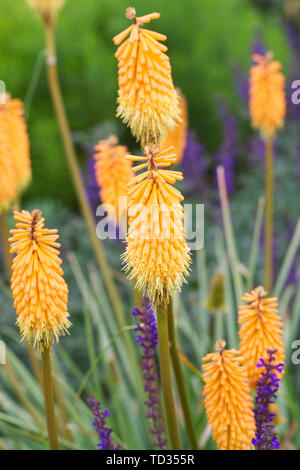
(205, 38)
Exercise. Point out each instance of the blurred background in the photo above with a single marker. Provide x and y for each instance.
(210, 47)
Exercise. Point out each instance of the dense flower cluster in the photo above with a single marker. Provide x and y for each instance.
(113, 172)
(261, 330)
(105, 433)
(147, 338)
(15, 167)
(147, 101)
(266, 393)
(267, 102)
(157, 255)
(228, 402)
(39, 290)
(177, 137)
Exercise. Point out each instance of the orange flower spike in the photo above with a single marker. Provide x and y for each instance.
(39, 291)
(18, 140)
(177, 136)
(147, 99)
(157, 255)
(228, 403)
(113, 172)
(267, 98)
(8, 177)
(261, 330)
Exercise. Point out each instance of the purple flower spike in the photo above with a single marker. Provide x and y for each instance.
(266, 393)
(147, 338)
(99, 422)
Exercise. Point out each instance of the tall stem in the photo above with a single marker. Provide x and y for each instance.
(78, 183)
(5, 244)
(166, 377)
(179, 376)
(48, 398)
(269, 215)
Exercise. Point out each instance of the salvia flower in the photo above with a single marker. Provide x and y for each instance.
(157, 255)
(113, 172)
(227, 401)
(39, 291)
(147, 338)
(261, 330)
(267, 101)
(177, 137)
(105, 433)
(147, 99)
(46, 8)
(266, 393)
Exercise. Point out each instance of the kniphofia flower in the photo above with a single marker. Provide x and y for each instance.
(227, 401)
(46, 8)
(157, 255)
(267, 101)
(147, 99)
(261, 330)
(147, 338)
(8, 177)
(267, 388)
(12, 112)
(39, 291)
(177, 137)
(113, 172)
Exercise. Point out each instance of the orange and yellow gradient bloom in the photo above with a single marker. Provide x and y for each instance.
(228, 403)
(267, 102)
(177, 137)
(147, 100)
(113, 171)
(157, 255)
(261, 330)
(39, 291)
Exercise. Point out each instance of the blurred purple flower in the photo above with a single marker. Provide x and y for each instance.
(99, 423)
(266, 393)
(258, 45)
(193, 164)
(227, 151)
(147, 338)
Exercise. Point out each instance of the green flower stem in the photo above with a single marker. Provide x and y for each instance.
(5, 235)
(49, 398)
(179, 376)
(166, 377)
(269, 215)
(58, 104)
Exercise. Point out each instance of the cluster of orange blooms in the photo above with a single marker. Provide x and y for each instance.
(15, 168)
(267, 102)
(231, 374)
(157, 254)
(113, 172)
(39, 290)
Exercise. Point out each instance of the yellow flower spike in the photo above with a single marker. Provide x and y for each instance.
(157, 255)
(46, 8)
(113, 172)
(261, 330)
(177, 137)
(147, 99)
(228, 403)
(12, 117)
(8, 178)
(267, 98)
(39, 291)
